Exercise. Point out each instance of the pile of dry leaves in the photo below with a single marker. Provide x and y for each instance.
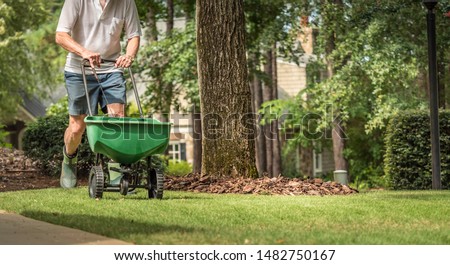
(279, 185)
(17, 172)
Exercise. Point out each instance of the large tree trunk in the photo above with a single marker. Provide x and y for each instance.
(225, 98)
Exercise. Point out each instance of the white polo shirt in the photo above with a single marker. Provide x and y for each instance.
(98, 30)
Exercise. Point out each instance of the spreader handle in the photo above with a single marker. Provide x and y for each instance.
(85, 63)
(88, 64)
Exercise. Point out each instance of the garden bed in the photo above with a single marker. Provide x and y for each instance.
(18, 172)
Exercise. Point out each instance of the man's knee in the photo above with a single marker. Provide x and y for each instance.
(116, 109)
(77, 125)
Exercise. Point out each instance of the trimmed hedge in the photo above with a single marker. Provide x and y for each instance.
(407, 161)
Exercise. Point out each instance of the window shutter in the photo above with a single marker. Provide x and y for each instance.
(183, 151)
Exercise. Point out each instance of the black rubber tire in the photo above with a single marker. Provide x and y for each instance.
(96, 182)
(155, 184)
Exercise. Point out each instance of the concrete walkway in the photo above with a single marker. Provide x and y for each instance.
(18, 230)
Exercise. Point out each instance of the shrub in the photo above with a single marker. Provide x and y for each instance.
(178, 168)
(43, 141)
(364, 152)
(408, 150)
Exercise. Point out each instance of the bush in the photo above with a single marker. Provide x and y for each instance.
(364, 152)
(43, 141)
(178, 168)
(408, 150)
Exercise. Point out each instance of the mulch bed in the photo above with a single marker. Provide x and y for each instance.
(268, 186)
(18, 172)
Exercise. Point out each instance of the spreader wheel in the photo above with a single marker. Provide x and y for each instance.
(124, 186)
(96, 182)
(155, 184)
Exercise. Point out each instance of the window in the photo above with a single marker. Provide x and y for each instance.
(177, 151)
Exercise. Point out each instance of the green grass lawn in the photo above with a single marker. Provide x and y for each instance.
(384, 217)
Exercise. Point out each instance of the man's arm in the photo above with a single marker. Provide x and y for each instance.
(132, 49)
(64, 40)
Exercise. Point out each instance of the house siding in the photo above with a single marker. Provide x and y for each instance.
(291, 79)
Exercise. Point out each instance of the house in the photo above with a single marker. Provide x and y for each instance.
(28, 111)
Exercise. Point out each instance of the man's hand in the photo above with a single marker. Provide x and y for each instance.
(94, 58)
(132, 49)
(124, 61)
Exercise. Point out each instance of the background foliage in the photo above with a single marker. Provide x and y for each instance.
(379, 57)
(28, 56)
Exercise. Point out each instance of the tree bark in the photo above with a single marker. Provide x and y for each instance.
(151, 32)
(167, 86)
(195, 112)
(170, 14)
(261, 162)
(267, 96)
(197, 139)
(276, 146)
(338, 131)
(339, 138)
(228, 144)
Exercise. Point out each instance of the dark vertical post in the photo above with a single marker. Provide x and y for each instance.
(434, 100)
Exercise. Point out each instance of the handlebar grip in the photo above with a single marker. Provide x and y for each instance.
(107, 61)
(88, 64)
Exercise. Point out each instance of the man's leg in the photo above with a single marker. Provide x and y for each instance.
(78, 109)
(116, 110)
(113, 97)
(74, 133)
(72, 139)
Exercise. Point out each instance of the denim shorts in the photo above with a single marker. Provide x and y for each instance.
(109, 89)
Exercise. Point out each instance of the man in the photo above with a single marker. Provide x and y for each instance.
(91, 30)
